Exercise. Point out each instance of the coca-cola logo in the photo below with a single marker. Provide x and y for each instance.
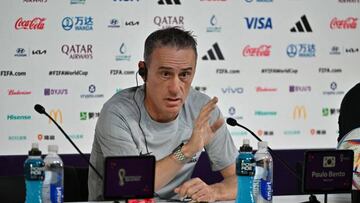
(348, 23)
(262, 50)
(34, 24)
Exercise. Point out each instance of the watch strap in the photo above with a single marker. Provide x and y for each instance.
(179, 155)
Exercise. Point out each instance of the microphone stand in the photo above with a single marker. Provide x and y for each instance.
(68, 138)
(233, 122)
(312, 199)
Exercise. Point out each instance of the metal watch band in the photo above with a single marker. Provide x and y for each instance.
(179, 155)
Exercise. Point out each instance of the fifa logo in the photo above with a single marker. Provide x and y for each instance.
(56, 114)
(299, 112)
(122, 173)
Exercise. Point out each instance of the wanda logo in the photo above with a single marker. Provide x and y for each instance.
(348, 23)
(34, 24)
(263, 50)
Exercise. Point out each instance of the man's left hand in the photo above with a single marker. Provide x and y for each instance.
(197, 190)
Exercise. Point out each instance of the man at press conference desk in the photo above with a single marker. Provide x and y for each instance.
(167, 118)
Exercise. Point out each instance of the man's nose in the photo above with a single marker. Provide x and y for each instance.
(174, 85)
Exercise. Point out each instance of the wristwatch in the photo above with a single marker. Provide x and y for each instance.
(179, 155)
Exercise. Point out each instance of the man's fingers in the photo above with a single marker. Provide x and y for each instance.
(195, 188)
(206, 110)
(204, 195)
(218, 123)
(202, 121)
(183, 190)
(208, 107)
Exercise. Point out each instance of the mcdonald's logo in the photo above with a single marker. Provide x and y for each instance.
(299, 112)
(56, 114)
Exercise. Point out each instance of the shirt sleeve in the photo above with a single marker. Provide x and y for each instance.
(114, 135)
(221, 150)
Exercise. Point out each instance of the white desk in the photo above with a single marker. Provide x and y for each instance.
(333, 198)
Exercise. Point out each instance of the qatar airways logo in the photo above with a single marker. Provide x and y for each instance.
(261, 51)
(349, 23)
(78, 51)
(169, 21)
(36, 23)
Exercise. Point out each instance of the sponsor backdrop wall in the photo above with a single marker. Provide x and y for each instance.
(280, 67)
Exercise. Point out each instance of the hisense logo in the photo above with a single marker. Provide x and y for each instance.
(18, 117)
(265, 113)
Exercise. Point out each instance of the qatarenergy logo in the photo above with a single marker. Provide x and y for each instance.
(12, 117)
(17, 137)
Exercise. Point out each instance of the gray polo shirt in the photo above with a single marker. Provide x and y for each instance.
(118, 132)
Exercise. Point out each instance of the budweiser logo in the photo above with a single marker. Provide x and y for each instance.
(18, 92)
(34, 24)
(348, 23)
(263, 50)
(265, 89)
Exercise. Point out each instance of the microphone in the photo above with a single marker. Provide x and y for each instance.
(233, 122)
(41, 110)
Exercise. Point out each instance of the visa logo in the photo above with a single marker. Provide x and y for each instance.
(232, 90)
(258, 23)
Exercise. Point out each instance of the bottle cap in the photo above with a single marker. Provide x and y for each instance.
(34, 145)
(262, 144)
(246, 141)
(53, 148)
(34, 150)
(246, 146)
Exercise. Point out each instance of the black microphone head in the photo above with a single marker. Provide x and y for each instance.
(231, 121)
(40, 109)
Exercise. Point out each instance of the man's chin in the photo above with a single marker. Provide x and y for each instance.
(173, 109)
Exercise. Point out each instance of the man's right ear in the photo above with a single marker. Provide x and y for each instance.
(142, 70)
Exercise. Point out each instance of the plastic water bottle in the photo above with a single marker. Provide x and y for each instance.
(263, 178)
(245, 170)
(53, 187)
(34, 175)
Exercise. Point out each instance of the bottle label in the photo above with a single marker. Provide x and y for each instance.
(36, 173)
(266, 189)
(56, 193)
(247, 168)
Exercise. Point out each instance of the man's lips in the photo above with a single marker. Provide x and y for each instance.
(173, 101)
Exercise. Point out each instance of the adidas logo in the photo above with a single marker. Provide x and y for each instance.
(302, 25)
(169, 2)
(211, 55)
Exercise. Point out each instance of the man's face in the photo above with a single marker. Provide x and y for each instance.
(169, 77)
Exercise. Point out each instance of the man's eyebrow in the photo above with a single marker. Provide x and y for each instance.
(169, 68)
